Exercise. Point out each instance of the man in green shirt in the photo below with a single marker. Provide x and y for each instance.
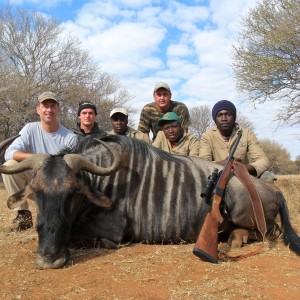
(152, 112)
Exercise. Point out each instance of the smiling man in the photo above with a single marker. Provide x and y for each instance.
(162, 104)
(87, 126)
(173, 138)
(215, 144)
(47, 136)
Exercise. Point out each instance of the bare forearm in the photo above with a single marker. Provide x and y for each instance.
(19, 155)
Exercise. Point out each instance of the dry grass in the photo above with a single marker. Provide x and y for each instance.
(290, 187)
(149, 271)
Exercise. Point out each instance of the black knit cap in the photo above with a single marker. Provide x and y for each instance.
(223, 105)
(86, 104)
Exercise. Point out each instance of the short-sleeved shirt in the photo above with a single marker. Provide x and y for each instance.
(150, 115)
(187, 145)
(214, 148)
(133, 133)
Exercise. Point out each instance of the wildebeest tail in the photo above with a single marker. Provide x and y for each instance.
(290, 237)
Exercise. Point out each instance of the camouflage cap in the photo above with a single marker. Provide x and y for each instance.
(118, 110)
(162, 85)
(169, 116)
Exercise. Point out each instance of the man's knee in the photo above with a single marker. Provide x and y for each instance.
(10, 163)
(268, 176)
(14, 182)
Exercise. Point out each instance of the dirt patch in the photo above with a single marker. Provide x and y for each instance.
(146, 271)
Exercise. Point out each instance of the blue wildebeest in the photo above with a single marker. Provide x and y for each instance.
(125, 190)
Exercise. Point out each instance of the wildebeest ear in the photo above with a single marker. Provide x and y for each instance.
(97, 198)
(20, 197)
(101, 200)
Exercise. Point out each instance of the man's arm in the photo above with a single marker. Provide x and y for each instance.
(185, 117)
(258, 159)
(19, 155)
(144, 125)
(194, 146)
(205, 148)
(249, 167)
(158, 142)
(17, 150)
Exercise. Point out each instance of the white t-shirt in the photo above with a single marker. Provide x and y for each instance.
(34, 139)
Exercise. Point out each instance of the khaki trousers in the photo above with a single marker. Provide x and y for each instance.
(16, 182)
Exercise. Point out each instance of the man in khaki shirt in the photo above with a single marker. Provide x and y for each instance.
(119, 123)
(215, 144)
(173, 138)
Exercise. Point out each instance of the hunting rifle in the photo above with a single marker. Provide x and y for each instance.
(206, 246)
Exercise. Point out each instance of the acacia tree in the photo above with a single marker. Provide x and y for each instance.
(200, 119)
(244, 122)
(35, 56)
(267, 56)
(279, 157)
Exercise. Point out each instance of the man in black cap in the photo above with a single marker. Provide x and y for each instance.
(87, 126)
(215, 144)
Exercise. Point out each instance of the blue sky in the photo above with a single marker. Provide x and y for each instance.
(187, 44)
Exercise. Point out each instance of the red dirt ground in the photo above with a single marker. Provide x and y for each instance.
(146, 271)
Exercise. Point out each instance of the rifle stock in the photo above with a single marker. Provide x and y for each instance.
(206, 247)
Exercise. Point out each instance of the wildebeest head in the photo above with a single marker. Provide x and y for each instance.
(55, 183)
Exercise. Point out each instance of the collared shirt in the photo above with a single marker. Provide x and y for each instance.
(133, 133)
(214, 148)
(150, 115)
(187, 145)
(95, 132)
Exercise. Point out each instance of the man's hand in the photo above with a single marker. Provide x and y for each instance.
(249, 167)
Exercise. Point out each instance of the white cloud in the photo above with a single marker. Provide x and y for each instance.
(213, 48)
(178, 50)
(44, 3)
(185, 43)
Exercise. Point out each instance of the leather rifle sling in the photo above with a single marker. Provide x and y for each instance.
(243, 175)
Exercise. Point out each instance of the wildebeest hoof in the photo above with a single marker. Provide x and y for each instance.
(274, 233)
(107, 244)
(238, 237)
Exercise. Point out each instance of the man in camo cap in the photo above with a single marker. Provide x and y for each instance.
(152, 112)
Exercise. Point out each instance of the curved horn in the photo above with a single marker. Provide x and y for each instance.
(34, 162)
(7, 142)
(79, 163)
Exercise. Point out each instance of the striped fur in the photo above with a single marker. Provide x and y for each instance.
(156, 198)
(158, 193)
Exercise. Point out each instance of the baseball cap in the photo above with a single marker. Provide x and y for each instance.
(169, 116)
(86, 104)
(47, 95)
(161, 85)
(118, 110)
